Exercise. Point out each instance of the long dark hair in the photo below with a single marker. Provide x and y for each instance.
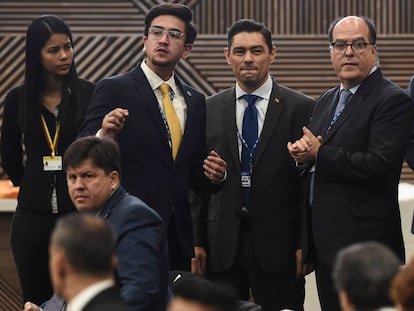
(71, 108)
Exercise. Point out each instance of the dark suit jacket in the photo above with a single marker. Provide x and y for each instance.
(142, 270)
(36, 185)
(358, 167)
(107, 300)
(141, 247)
(148, 169)
(275, 193)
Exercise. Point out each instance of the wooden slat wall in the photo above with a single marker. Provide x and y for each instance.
(304, 17)
(108, 39)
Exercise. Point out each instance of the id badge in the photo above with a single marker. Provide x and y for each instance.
(245, 179)
(52, 163)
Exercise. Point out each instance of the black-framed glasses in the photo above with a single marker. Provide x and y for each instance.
(157, 33)
(340, 46)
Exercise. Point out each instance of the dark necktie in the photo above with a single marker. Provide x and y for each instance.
(343, 100)
(344, 97)
(249, 134)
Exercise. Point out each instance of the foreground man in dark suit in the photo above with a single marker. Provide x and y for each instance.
(250, 229)
(93, 168)
(354, 157)
(161, 159)
(82, 263)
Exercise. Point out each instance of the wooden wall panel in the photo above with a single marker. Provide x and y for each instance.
(287, 17)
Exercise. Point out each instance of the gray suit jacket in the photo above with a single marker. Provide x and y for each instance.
(275, 193)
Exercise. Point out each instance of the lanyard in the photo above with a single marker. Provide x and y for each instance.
(51, 143)
(167, 128)
(251, 150)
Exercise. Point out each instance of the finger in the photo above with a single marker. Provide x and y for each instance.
(194, 266)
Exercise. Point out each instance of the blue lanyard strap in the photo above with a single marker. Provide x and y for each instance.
(250, 150)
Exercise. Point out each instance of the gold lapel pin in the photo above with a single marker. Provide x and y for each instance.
(276, 100)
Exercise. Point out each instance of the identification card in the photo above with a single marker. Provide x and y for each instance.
(245, 179)
(52, 163)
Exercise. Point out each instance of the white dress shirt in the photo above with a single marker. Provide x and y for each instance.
(177, 99)
(262, 103)
(78, 302)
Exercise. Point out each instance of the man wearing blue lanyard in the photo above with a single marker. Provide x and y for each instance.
(159, 124)
(248, 233)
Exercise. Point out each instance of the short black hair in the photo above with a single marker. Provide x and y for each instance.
(175, 9)
(196, 289)
(364, 271)
(103, 152)
(87, 241)
(371, 28)
(249, 25)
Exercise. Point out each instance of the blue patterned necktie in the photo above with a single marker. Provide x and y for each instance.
(344, 97)
(250, 133)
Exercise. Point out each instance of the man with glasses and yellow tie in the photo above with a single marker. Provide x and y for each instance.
(353, 151)
(159, 123)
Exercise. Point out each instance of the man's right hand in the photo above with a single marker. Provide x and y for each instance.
(29, 306)
(113, 122)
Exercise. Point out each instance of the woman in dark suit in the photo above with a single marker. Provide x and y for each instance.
(41, 118)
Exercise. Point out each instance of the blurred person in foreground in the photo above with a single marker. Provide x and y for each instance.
(93, 170)
(82, 263)
(362, 274)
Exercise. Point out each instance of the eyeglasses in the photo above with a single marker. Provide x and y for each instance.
(340, 46)
(157, 33)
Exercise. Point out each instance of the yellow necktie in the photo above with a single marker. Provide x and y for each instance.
(172, 118)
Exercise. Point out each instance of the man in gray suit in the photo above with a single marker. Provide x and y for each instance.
(249, 125)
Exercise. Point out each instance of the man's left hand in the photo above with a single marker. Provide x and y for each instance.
(214, 167)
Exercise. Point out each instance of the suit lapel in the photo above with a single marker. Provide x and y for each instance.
(356, 101)
(230, 126)
(273, 113)
(147, 95)
(189, 122)
(323, 112)
(349, 109)
(113, 200)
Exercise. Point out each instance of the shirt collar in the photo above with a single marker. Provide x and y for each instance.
(263, 91)
(356, 87)
(78, 302)
(155, 81)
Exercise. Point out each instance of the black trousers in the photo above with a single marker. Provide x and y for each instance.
(177, 260)
(328, 297)
(270, 290)
(29, 237)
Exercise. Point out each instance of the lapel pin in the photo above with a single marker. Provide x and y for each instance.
(276, 100)
(189, 93)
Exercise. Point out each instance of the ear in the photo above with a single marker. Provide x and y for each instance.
(227, 54)
(346, 304)
(272, 55)
(60, 263)
(114, 260)
(114, 176)
(187, 50)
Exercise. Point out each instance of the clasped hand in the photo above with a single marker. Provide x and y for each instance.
(305, 149)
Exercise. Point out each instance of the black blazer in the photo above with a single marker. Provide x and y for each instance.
(36, 185)
(148, 169)
(107, 300)
(358, 167)
(275, 193)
